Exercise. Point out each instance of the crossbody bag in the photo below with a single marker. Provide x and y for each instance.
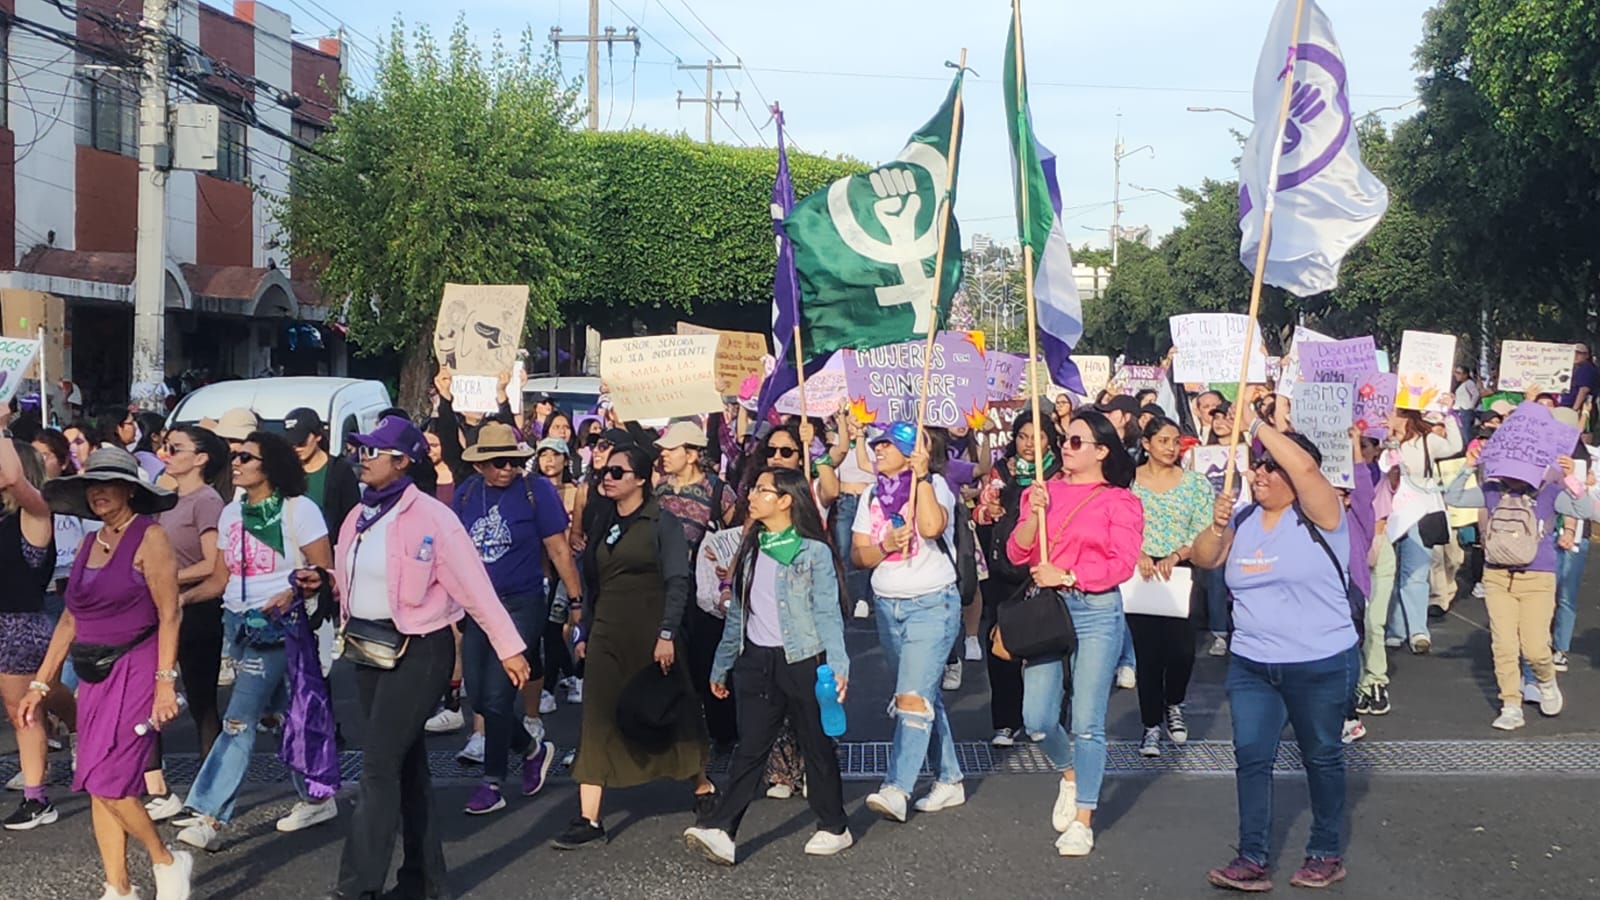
(1034, 622)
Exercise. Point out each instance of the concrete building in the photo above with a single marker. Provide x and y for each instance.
(68, 185)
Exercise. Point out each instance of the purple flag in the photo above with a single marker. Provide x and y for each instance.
(785, 287)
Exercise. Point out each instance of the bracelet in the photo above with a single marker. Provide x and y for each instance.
(167, 675)
(1218, 531)
(40, 686)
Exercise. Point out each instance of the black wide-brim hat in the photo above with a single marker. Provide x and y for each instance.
(108, 465)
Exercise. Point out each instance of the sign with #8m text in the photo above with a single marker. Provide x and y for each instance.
(661, 377)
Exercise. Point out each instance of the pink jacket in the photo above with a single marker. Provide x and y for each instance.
(1100, 546)
(427, 596)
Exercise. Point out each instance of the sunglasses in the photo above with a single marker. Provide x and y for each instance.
(615, 473)
(1265, 462)
(1075, 442)
(504, 462)
(375, 452)
(602, 444)
(243, 457)
(782, 452)
(174, 449)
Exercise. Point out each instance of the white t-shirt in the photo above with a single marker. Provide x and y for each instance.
(369, 575)
(761, 626)
(927, 569)
(258, 572)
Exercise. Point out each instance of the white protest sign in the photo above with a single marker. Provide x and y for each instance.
(1323, 411)
(475, 393)
(1291, 363)
(1210, 348)
(1095, 372)
(16, 355)
(1426, 362)
(1529, 363)
(661, 377)
(1156, 597)
(825, 392)
(479, 329)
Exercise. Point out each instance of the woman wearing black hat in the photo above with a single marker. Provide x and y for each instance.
(638, 562)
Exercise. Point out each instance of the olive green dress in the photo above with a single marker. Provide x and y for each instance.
(627, 616)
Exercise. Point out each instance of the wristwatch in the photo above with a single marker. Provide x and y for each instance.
(665, 634)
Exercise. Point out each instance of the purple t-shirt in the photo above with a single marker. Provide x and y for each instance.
(1584, 375)
(1289, 603)
(1363, 522)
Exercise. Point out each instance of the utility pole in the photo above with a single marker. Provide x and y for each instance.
(150, 278)
(594, 39)
(711, 67)
(1117, 156)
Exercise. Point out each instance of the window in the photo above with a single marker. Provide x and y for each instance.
(307, 132)
(110, 117)
(233, 162)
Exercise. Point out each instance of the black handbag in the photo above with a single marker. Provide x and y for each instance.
(1433, 528)
(371, 643)
(1034, 622)
(93, 662)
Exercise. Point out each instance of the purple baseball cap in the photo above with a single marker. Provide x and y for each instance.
(395, 433)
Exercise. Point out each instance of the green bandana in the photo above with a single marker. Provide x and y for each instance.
(264, 520)
(782, 546)
(1025, 468)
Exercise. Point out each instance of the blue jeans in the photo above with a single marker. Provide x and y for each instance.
(1098, 621)
(258, 688)
(916, 634)
(491, 693)
(1313, 697)
(857, 581)
(1216, 587)
(1569, 577)
(55, 605)
(1409, 615)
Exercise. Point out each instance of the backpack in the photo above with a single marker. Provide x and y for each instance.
(965, 558)
(1513, 533)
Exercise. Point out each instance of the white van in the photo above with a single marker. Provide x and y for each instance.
(346, 404)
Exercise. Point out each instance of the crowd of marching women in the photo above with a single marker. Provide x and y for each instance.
(691, 586)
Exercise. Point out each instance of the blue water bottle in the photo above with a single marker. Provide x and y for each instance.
(425, 552)
(828, 699)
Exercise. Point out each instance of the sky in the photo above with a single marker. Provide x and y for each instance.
(856, 77)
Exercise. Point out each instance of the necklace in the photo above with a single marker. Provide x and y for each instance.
(114, 529)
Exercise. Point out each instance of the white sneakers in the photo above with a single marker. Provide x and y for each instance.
(132, 894)
(974, 649)
(780, 792)
(862, 610)
(1077, 840)
(472, 753)
(172, 879)
(535, 728)
(942, 796)
(1126, 678)
(712, 843)
(202, 835)
(889, 803)
(547, 703)
(1510, 718)
(445, 721)
(164, 808)
(952, 676)
(1550, 700)
(1065, 812)
(306, 815)
(575, 691)
(824, 843)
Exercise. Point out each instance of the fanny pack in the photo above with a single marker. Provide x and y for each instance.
(374, 644)
(93, 662)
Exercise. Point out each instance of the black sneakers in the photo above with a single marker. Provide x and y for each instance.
(30, 815)
(581, 833)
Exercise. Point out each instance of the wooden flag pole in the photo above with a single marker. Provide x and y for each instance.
(1034, 383)
(805, 415)
(1270, 203)
(943, 224)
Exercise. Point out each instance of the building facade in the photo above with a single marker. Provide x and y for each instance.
(236, 304)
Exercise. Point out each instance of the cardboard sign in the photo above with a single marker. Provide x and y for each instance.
(1341, 362)
(1526, 445)
(1006, 373)
(1375, 403)
(739, 355)
(661, 377)
(25, 312)
(1095, 372)
(1524, 364)
(826, 392)
(16, 355)
(479, 329)
(886, 382)
(1210, 347)
(1291, 363)
(1323, 411)
(1426, 362)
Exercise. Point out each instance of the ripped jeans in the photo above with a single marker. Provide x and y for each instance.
(258, 688)
(916, 634)
(1101, 628)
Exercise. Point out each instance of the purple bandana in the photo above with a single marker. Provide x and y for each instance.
(308, 745)
(893, 492)
(377, 501)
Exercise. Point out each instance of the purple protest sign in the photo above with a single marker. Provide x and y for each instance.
(1338, 362)
(1005, 372)
(1375, 402)
(885, 382)
(1526, 445)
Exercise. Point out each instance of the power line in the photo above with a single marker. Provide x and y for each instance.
(686, 31)
(707, 27)
(642, 30)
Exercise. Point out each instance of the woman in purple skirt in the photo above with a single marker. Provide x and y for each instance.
(121, 628)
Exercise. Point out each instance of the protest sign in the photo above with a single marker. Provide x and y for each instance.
(661, 377)
(1168, 598)
(1426, 362)
(1212, 462)
(1525, 364)
(1342, 362)
(739, 354)
(1323, 412)
(25, 312)
(1383, 361)
(1274, 369)
(885, 383)
(479, 329)
(1131, 380)
(1375, 403)
(826, 391)
(1095, 371)
(1526, 445)
(16, 355)
(1209, 347)
(1291, 362)
(1006, 373)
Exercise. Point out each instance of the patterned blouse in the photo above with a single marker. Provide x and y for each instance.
(1174, 518)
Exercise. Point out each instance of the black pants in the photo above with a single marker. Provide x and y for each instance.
(396, 794)
(199, 662)
(768, 690)
(705, 632)
(1163, 648)
(1005, 675)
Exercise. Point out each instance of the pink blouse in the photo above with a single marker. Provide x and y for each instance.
(1100, 546)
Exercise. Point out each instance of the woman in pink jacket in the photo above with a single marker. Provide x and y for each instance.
(1096, 530)
(406, 571)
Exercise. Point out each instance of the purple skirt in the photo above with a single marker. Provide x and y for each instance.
(111, 758)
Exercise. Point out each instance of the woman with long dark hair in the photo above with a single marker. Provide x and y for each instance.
(1417, 450)
(27, 563)
(786, 621)
(1096, 525)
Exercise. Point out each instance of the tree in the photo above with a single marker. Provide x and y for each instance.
(453, 168)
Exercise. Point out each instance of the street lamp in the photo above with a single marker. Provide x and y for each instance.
(1117, 156)
(1218, 109)
(1140, 187)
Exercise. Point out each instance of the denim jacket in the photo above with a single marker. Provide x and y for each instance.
(808, 613)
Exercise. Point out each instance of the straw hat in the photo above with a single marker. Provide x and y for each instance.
(108, 465)
(496, 440)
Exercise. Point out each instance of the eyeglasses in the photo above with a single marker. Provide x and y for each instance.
(615, 473)
(764, 489)
(782, 452)
(1075, 443)
(174, 449)
(1265, 462)
(504, 462)
(374, 452)
(243, 457)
